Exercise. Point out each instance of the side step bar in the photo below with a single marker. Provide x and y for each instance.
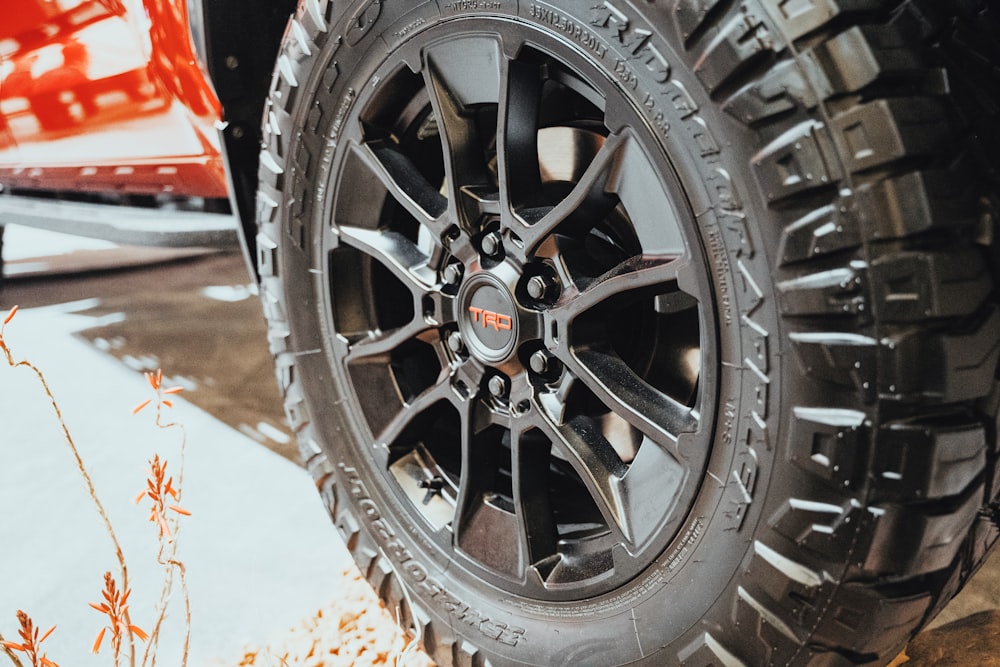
(127, 225)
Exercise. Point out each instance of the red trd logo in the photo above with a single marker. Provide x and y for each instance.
(488, 318)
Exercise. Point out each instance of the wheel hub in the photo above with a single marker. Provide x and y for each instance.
(488, 318)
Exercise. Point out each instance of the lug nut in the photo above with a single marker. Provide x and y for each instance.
(455, 342)
(545, 365)
(542, 287)
(492, 244)
(537, 287)
(541, 362)
(452, 274)
(497, 386)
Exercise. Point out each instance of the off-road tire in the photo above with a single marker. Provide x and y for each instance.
(825, 168)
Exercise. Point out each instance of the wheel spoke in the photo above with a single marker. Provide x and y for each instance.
(586, 449)
(585, 205)
(459, 75)
(657, 415)
(517, 134)
(403, 181)
(531, 483)
(412, 410)
(484, 519)
(639, 185)
(396, 253)
(383, 342)
(634, 275)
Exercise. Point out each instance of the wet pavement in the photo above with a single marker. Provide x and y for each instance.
(260, 551)
(189, 312)
(266, 554)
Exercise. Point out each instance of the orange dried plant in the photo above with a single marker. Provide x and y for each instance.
(115, 607)
(3, 343)
(156, 382)
(159, 487)
(31, 640)
(85, 476)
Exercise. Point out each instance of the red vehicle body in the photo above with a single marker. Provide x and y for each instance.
(106, 95)
(112, 102)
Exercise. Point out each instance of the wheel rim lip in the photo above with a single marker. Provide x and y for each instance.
(707, 396)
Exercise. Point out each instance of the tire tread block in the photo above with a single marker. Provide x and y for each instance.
(929, 459)
(913, 364)
(884, 131)
(911, 286)
(917, 202)
(874, 619)
(913, 540)
(822, 231)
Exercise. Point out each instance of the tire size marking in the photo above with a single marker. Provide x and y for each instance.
(627, 76)
(684, 547)
(720, 255)
(416, 574)
(341, 115)
(472, 5)
(569, 27)
(658, 118)
(637, 45)
(407, 29)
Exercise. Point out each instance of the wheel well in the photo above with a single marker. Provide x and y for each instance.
(241, 44)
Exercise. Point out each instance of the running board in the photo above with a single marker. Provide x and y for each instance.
(129, 225)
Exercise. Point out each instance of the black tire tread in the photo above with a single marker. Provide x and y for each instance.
(891, 298)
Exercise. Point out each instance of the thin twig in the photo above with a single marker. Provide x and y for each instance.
(10, 654)
(88, 482)
(182, 451)
(154, 635)
(170, 561)
(187, 611)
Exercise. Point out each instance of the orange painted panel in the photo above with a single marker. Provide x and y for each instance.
(107, 88)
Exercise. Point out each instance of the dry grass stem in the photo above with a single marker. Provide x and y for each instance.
(159, 488)
(88, 482)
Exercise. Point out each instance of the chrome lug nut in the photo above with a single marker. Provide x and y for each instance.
(455, 342)
(452, 274)
(491, 244)
(541, 362)
(537, 287)
(497, 386)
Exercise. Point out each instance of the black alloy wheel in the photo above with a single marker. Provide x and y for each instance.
(525, 334)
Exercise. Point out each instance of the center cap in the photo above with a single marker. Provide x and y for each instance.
(488, 318)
